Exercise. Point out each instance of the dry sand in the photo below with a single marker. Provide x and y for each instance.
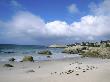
(67, 70)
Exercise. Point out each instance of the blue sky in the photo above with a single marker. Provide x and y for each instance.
(53, 21)
(49, 10)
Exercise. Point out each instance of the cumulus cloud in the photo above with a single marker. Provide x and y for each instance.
(57, 28)
(92, 25)
(73, 8)
(26, 27)
(102, 8)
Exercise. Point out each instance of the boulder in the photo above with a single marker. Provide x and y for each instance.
(45, 52)
(48, 57)
(28, 58)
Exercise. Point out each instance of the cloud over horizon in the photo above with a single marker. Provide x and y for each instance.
(27, 28)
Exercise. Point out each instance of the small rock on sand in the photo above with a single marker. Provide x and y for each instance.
(77, 74)
(84, 71)
(39, 67)
(31, 70)
(8, 65)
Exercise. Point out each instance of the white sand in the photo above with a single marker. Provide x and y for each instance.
(18, 73)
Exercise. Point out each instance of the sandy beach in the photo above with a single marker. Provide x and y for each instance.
(54, 40)
(67, 70)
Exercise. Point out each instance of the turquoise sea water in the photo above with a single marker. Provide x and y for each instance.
(19, 51)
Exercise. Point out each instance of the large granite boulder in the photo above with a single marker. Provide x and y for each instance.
(28, 58)
(45, 52)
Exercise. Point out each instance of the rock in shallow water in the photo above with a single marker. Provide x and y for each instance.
(45, 52)
(28, 58)
(48, 57)
(12, 59)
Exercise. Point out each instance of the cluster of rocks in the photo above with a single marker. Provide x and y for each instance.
(30, 58)
(85, 51)
(74, 49)
(76, 70)
(97, 52)
(25, 58)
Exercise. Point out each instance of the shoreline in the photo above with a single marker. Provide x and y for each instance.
(36, 57)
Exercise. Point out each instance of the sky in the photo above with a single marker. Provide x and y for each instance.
(48, 22)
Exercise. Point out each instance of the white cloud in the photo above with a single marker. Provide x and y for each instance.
(28, 27)
(57, 28)
(91, 25)
(25, 24)
(73, 8)
(101, 9)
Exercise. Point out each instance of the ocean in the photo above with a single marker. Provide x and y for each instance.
(19, 51)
